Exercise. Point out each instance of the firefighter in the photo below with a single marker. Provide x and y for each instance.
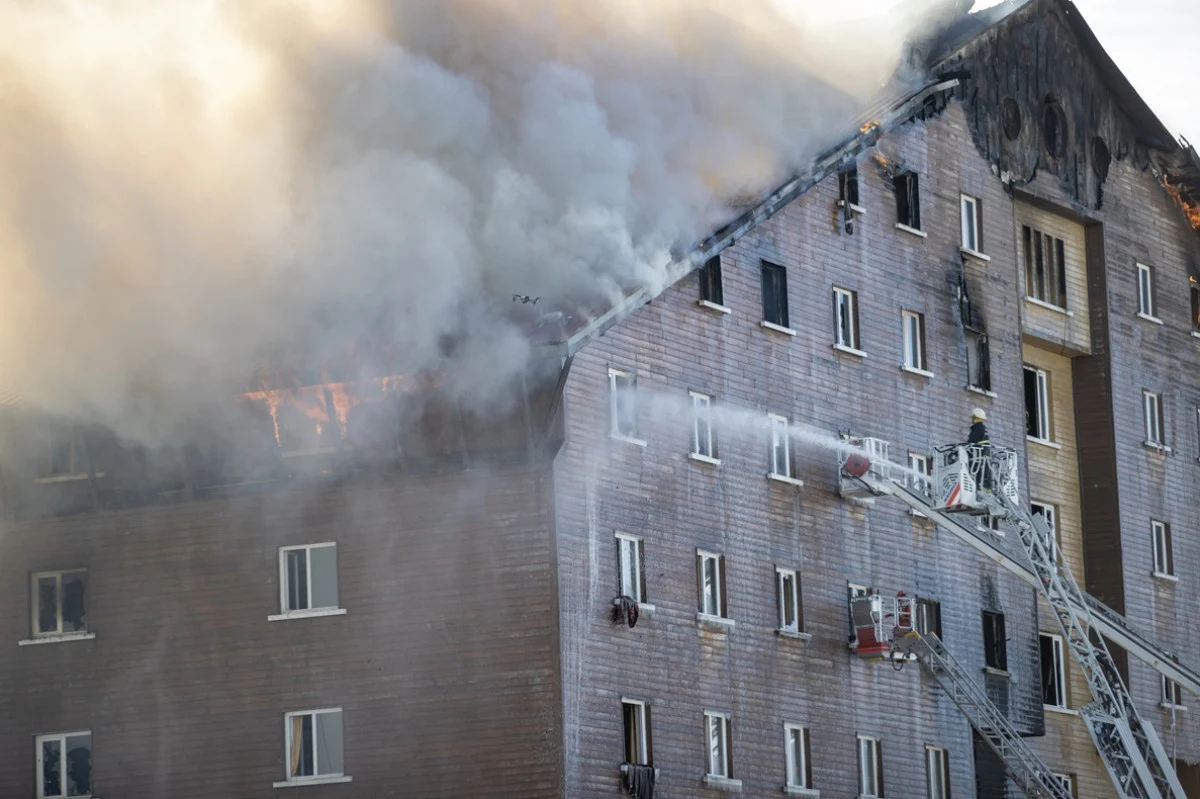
(979, 433)
(978, 449)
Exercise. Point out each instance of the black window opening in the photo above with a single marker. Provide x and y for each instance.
(638, 750)
(774, 289)
(1195, 308)
(1053, 671)
(979, 367)
(1037, 404)
(710, 282)
(848, 183)
(908, 200)
(995, 643)
(1045, 267)
(929, 617)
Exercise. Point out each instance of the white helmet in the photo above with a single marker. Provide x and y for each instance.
(979, 414)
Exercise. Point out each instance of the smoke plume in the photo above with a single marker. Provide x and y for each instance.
(189, 187)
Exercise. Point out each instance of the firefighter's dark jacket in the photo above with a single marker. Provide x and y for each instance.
(979, 434)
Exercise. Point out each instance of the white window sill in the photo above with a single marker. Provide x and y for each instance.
(300, 783)
(307, 614)
(796, 790)
(916, 514)
(698, 458)
(56, 639)
(1154, 445)
(644, 608)
(996, 672)
(1045, 442)
(714, 307)
(794, 634)
(912, 370)
(849, 350)
(975, 254)
(787, 331)
(1149, 318)
(74, 477)
(857, 209)
(1169, 706)
(983, 391)
(1062, 711)
(1170, 578)
(722, 784)
(625, 768)
(714, 621)
(1048, 306)
(912, 230)
(1196, 333)
(637, 442)
(783, 478)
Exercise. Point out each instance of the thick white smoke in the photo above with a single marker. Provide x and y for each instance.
(188, 186)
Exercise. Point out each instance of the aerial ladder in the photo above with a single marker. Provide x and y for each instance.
(975, 480)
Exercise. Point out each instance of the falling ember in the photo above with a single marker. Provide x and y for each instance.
(868, 127)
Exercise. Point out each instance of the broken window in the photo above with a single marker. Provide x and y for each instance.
(64, 764)
(1065, 781)
(66, 456)
(308, 578)
(995, 643)
(908, 200)
(703, 441)
(853, 591)
(774, 291)
(972, 223)
(1172, 695)
(845, 318)
(920, 466)
(914, 340)
(622, 396)
(797, 756)
(979, 362)
(928, 619)
(631, 573)
(313, 745)
(1045, 267)
(1054, 128)
(710, 582)
(1037, 404)
(1050, 514)
(848, 184)
(1195, 292)
(787, 592)
(1164, 558)
(870, 766)
(720, 756)
(781, 460)
(710, 282)
(937, 772)
(1054, 674)
(636, 717)
(1152, 416)
(1146, 298)
(59, 606)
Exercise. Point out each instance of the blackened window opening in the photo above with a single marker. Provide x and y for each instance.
(995, 644)
(1045, 267)
(979, 362)
(908, 200)
(848, 183)
(710, 281)
(774, 289)
(1195, 308)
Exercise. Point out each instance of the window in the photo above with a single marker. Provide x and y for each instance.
(710, 282)
(781, 460)
(928, 619)
(908, 200)
(995, 644)
(1152, 416)
(787, 590)
(64, 764)
(845, 318)
(1146, 298)
(717, 732)
(710, 579)
(636, 716)
(797, 756)
(979, 361)
(937, 772)
(703, 442)
(774, 290)
(848, 184)
(914, 340)
(308, 578)
(870, 766)
(919, 465)
(1050, 514)
(1045, 267)
(852, 592)
(622, 407)
(1195, 292)
(972, 223)
(1054, 673)
(1172, 695)
(58, 603)
(1067, 781)
(1164, 560)
(65, 456)
(313, 745)
(631, 572)
(1037, 404)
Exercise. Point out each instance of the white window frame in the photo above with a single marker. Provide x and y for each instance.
(919, 462)
(796, 748)
(969, 211)
(1160, 536)
(937, 759)
(615, 376)
(779, 424)
(1050, 513)
(912, 326)
(870, 774)
(717, 734)
(785, 594)
(643, 739)
(1043, 400)
(310, 611)
(59, 632)
(718, 590)
(1060, 669)
(703, 443)
(847, 336)
(1152, 418)
(627, 544)
(61, 737)
(1171, 694)
(1146, 300)
(1065, 780)
(287, 749)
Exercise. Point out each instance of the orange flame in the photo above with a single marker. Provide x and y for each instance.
(868, 127)
(1190, 209)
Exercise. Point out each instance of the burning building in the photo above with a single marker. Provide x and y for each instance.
(634, 570)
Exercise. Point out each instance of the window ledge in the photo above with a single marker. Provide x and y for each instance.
(1149, 318)
(1196, 333)
(787, 331)
(307, 614)
(722, 784)
(56, 639)
(311, 781)
(849, 350)
(975, 254)
(698, 458)
(73, 477)
(912, 230)
(916, 514)
(857, 209)
(1048, 306)
(714, 621)
(1154, 445)
(996, 672)
(983, 391)
(1170, 578)
(1045, 442)
(644, 608)
(714, 306)
(1062, 711)
(915, 371)
(1169, 706)
(794, 634)
(625, 768)
(783, 478)
(796, 790)
(637, 442)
